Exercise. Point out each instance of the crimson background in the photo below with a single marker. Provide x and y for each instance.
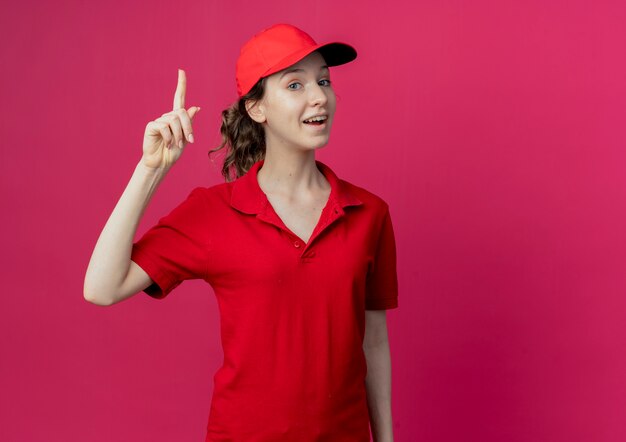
(494, 129)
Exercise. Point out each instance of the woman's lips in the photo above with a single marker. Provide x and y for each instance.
(317, 127)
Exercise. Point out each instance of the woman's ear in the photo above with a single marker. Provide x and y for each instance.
(255, 111)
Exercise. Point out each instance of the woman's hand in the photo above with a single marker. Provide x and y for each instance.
(165, 138)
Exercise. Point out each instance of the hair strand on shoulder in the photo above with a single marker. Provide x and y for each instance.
(243, 137)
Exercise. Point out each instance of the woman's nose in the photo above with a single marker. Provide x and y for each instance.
(318, 95)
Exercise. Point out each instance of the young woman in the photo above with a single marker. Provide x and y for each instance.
(303, 263)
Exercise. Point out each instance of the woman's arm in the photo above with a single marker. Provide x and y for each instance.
(111, 276)
(378, 379)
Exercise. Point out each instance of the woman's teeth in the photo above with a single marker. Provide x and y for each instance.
(316, 120)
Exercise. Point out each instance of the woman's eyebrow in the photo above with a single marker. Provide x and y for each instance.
(300, 70)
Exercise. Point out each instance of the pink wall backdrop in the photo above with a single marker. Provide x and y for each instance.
(494, 129)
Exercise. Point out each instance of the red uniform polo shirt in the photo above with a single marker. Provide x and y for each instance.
(292, 313)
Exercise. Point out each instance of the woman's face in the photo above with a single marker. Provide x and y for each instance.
(292, 97)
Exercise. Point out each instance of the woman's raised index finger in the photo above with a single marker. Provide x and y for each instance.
(179, 96)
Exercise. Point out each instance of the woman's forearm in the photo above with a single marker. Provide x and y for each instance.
(110, 259)
(378, 384)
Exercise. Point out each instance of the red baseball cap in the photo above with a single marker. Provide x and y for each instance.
(278, 47)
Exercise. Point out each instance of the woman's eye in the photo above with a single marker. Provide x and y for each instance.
(328, 82)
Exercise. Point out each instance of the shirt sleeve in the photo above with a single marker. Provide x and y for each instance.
(382, 279)
(175, 248)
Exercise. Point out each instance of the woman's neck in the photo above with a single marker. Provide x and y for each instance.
(293, 174)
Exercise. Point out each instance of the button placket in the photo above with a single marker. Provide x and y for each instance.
(307, 256)
(327, 219)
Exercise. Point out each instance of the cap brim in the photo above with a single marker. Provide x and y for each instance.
(337, 53)
(334, 53)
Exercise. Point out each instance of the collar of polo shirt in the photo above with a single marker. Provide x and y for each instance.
(248, 197)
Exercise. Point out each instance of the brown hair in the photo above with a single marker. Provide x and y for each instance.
(244, 137)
